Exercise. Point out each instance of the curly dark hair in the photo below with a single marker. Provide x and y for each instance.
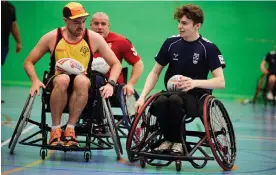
(191, 11)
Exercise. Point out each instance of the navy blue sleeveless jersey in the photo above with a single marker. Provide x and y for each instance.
(192, 59)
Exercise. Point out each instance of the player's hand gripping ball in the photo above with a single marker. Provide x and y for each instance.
(173, 84)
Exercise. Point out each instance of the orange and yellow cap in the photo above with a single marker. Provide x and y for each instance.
(74, 10)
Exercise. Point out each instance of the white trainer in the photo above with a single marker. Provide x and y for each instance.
(164, 146)
(177, 148)
(269, 95)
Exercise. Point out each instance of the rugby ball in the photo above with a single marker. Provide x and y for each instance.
(100, 65)
(69, 66)
(172, 84)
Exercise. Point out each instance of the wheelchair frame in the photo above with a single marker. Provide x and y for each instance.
(44, 128)
(207, 139)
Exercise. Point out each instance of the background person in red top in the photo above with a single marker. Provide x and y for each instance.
(122, 48)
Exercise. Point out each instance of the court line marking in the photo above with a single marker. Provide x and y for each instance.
(121, 161)
(28, 165)
(8, 125)
(24, 131)
(255, 138)
(7, 121)
(124, 161)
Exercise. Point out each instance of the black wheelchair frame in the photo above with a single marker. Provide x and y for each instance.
(82, 129)
(142, 148)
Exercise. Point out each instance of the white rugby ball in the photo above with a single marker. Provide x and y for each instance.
(69, 66)
(100, 65)
(172, 84)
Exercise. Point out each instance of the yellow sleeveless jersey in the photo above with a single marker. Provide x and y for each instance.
(80, 51)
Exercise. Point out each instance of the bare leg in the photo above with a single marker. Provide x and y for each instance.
(271, 82)
(79, 98)
(59, 97)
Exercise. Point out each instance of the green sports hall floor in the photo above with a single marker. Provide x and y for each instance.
(255, 128)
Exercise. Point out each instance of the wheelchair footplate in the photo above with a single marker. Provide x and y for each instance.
(170, 156)
(87, 150)
(68, 148)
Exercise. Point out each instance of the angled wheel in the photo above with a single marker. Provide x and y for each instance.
(114, 124)
(141, 128)
(116, 130)
(220, 133)
(126, 104)
(22, 122)
(19, 120)
(111, 123)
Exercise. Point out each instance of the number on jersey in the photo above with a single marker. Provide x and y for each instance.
(134, 51)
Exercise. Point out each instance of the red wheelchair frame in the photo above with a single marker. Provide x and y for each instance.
(224, 152)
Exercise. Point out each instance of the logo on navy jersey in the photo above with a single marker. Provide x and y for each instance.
(175, 56)
(195, 58)
(221, 59)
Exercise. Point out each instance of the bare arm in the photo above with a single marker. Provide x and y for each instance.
(37, 53)
(137, 70)
(263, 67)
(214, 83)
(151, 80)
(15, 32)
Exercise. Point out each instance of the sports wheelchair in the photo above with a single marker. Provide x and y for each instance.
(85, 126)
(219, 136)
(262, 87)
(120, 101)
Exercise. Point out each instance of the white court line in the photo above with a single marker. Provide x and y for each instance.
(24, 131)
(255, 137)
